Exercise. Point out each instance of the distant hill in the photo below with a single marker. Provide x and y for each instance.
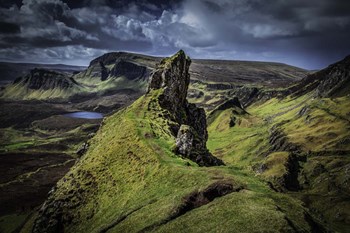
(42, 84)
(269, 74)
(10, 71)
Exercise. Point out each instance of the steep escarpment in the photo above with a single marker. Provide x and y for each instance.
(119, 68)
(42, 84)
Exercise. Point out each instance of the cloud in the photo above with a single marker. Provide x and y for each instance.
(9, 28)
(305, 33)
(76, 54)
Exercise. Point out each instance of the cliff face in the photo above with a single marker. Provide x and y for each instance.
(133, 67)
(188, 123)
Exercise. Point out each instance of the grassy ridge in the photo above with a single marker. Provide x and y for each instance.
(130, 180)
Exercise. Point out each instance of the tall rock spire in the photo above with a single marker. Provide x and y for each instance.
(189, 124)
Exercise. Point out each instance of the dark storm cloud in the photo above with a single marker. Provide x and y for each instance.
(9, 28)
(304, 33)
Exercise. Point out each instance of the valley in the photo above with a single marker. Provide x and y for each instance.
(270, 149)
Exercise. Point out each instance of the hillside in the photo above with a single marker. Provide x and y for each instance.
(42, 84)
(298, 141)
(140, 174)
(272, 156)
(10, 71)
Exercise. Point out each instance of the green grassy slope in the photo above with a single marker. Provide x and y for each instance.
(130, 181)
(314, 134)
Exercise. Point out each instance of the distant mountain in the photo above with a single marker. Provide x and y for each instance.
(42, 84)
(120, 71)
(268, 74)
(10, 71)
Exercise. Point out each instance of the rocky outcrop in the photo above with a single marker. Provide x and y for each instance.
(231, 103)
(279, 142)
(197, 199)
(82, 149)
(188, 123)
(173, 77)
(337, 81)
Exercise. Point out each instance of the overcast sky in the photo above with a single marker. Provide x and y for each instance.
(309, 34)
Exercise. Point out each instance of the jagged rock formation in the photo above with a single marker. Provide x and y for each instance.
(333, 81)
(188, 122)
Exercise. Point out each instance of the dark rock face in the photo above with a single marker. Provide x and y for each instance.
(198, 199)
(172, 75)
(104, 72)
(234, 102)
(188, 122)
(83, 148)
(184, 140)
(129, 70)
(119, 64)
(279, 142)
(46, 80)
(290, 179)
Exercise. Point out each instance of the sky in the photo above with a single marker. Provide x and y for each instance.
(309, 34)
